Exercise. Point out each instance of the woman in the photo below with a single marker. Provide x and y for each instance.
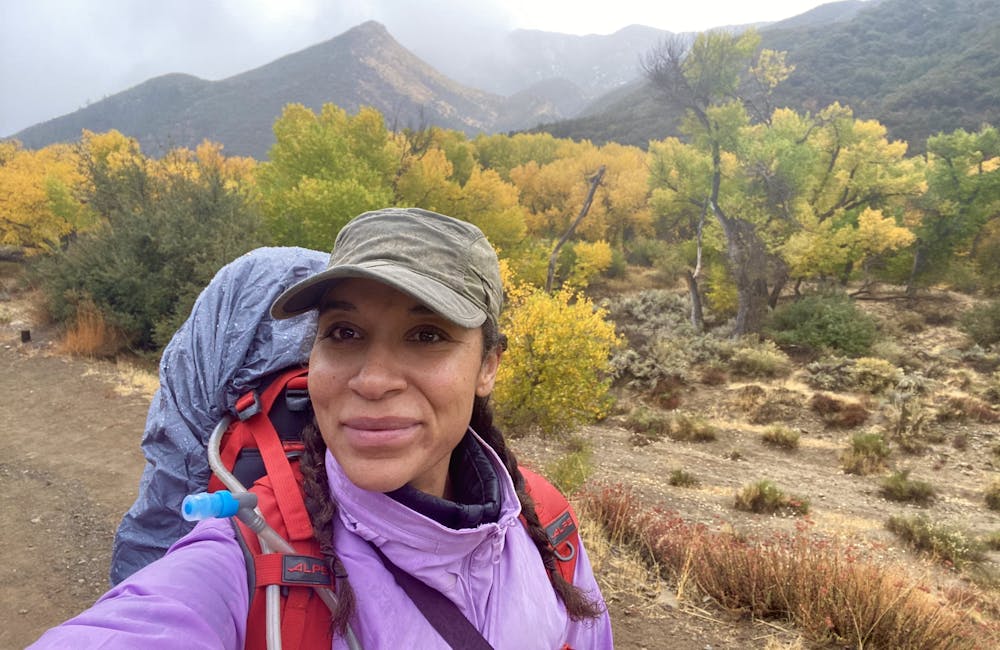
(403, 469)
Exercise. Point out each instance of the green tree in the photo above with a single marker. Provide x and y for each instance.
(165, 228)
(323, 170)
(963, 194)
(781, 188)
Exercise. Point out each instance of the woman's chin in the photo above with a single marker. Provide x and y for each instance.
(375, 482)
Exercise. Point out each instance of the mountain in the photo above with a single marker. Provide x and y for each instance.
(594, 64)
(919, 67)
(536, 77)
(363, 66)
(528, 78)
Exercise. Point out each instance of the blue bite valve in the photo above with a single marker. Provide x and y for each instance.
(205, 505)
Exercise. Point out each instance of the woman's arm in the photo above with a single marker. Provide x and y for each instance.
(195, 597)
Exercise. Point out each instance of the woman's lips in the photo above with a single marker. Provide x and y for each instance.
(379, 431)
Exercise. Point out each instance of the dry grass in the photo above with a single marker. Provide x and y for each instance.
(90, 335)
(126, 378)
(832, 591)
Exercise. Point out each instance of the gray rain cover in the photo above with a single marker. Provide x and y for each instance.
(220, 352)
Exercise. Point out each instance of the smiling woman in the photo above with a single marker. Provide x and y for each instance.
(420, 512)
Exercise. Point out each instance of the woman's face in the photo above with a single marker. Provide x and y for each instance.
(392, 385)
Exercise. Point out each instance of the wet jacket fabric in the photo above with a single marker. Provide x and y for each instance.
(197, 595)
(224, 348)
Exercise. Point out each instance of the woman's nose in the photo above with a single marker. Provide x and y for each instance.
(378, 373)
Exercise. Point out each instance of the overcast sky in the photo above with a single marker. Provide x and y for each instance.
(58, 55)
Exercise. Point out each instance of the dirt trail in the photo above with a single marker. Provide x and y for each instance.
(69, 467)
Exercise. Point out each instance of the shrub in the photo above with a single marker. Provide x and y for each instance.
(167, 227)
(764, 497)
(834, 594)
(837, 412)
(874, 375)
(867, 454)
(992, 541)
(89, 335)
(993, 496)
(899, 487)
(831, 373)
(982, 323)
(680, 478)
(823, 323)
(965, 407)
(781, 436)
(691, 429)
(647, 425)
(572, 470)
(555, 372)
(645, 251)
(944, 543)
(591, 259)
(761, 360)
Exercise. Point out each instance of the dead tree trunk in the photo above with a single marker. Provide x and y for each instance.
(595, 180)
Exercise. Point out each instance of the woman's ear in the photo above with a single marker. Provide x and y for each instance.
(488, 372)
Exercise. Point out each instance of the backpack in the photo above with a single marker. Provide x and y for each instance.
(262, 447)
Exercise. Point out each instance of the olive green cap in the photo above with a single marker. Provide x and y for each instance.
(445, 263)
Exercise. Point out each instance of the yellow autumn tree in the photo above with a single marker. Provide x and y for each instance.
(821, 249)
(554, 375)
(38, 207)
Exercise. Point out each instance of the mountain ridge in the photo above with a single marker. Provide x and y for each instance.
(581, 87)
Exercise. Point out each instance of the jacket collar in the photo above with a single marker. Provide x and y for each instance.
(475, 486)
(379, 518)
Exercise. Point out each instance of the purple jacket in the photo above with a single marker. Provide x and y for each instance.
(196, 595)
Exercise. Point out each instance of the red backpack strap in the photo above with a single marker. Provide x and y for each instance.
(305, 619)
(558, 519)
(253, 428)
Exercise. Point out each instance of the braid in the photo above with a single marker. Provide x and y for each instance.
(578, 604)
(322, 509)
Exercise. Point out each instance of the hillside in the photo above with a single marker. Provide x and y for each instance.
(363, 66)
(919, 67)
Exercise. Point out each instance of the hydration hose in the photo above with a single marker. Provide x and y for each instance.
(241, 503)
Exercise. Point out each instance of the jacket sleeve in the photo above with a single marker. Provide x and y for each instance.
(196, 596)
(594, 633)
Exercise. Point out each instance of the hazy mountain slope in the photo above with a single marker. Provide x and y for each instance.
(363, 66)
(918, 66)
(514, 62)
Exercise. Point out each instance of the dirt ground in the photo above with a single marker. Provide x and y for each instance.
(70, 464)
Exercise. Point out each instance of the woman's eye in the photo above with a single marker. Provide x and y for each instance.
(428, 336)
(342, 333)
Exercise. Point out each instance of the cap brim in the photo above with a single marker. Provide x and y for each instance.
(307, 294)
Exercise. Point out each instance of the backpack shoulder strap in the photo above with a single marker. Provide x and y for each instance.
(305, 619)
(558, 519)
(253, 428)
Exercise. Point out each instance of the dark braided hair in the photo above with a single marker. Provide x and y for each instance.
(322, 508)
(578, 604)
